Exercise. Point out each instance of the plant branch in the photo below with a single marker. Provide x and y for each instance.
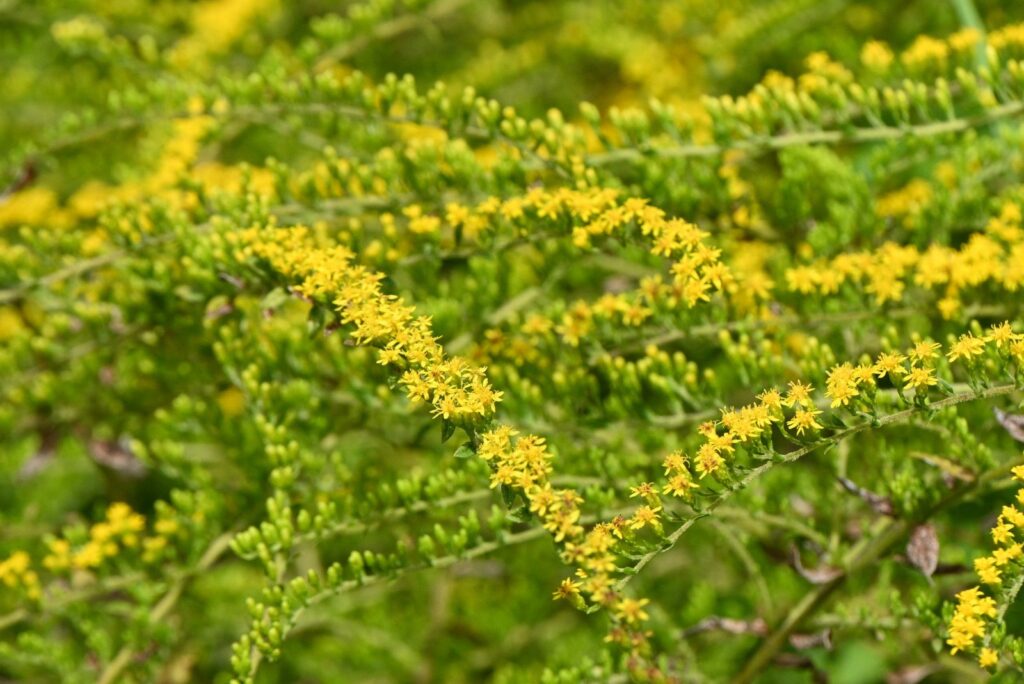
(673, 538)
(123, 658)
(861, 556)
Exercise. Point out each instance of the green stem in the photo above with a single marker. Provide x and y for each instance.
(387, 30)
(85, 266)
(811, 601)
(862, 555)
(751, 567)
(824, 320)
(123, 658)
(52, 606)
(482, 549)
(760, 143)
(796, 455)
(852, 136)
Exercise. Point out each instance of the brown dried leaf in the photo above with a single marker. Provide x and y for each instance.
(819, 575)
(1012, 423)
(801, 506)
(116, 456)
(802, 642)
(880, 504)
(42, 458)
(923, 549)
(25, 178)
(232, 280)
(729, 625)
(618, 284)
(911, 674)
(219, 311)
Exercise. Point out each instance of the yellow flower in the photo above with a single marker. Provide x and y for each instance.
(644, 516)
(422, 225)
(966, 347)
(389, 354)
(841, 385)
(1002, 533)
(798, 393)
(445, 407)
(60, 555)
(771, 398)
(708, 459)
(921, 377)
(89, 556)
(1001, 334)
(988, 570)
(988, 657)
(876, 55)
(804, 420)
(680, 485)
(631, 610)
(569, 588)
(644, 489)
(924, 351)
(676, 463)
(966, 625)
(889, 364)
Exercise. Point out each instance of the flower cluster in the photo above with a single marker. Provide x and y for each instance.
(16, 573)
(696, 271)
(519, 463)
(773, 322)
(122, 529)
(992, 257)
(750, 426)
(976, 612)
(456, 389)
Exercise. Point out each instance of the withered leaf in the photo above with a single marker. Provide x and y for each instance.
(819, 575)
(923, 549)
(880, 504)
(116, 456)
(1012, 423)
(802, 642)
(729, 625)
(42, 458)
(911, 675)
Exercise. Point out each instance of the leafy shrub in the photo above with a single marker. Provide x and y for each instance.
(701, 318)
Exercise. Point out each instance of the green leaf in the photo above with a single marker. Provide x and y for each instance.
(509, 496)
(519, 515)
(317, 320)
(275, 299)
(447, 430)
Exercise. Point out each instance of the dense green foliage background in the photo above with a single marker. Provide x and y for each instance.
(147, 358)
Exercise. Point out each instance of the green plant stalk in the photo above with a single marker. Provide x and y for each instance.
(673, 538)
(861, 556)
(212, 554)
